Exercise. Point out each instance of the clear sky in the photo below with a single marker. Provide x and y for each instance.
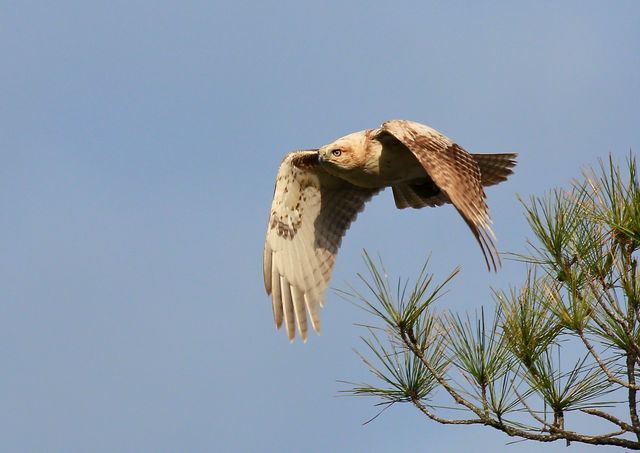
(139, 142)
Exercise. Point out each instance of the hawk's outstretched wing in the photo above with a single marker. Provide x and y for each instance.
(310, 213)
(455, 172)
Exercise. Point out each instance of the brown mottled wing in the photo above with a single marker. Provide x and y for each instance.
(455, 172)
(310, 213)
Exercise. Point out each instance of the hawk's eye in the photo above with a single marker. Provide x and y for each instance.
(336, 152)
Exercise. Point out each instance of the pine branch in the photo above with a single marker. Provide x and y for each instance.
(610, 376)
(625, 426)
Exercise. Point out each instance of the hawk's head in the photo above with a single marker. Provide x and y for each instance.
(345, 154)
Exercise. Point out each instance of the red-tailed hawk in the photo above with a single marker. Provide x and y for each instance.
(319, 192)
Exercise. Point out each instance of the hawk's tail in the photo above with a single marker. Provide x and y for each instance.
(495, 168)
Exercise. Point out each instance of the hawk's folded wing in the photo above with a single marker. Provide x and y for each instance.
(455, 172)
(310, 213)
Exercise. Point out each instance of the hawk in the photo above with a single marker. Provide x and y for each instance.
(319, 192)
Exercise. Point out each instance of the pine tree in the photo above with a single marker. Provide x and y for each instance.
(517, 370)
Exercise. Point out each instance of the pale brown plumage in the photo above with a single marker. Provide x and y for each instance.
(318, 194)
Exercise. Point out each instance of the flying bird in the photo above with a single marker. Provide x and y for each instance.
(319, 192)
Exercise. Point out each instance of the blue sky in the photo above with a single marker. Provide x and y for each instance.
(139, 143)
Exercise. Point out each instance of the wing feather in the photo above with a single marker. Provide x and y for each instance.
(310, 213)
(312, 302)
(289, 311)
(455, 172)
(276, 299)
(413, 195)
(300, 311)
(267, 258)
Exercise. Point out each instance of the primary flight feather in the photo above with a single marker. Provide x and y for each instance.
(319, 192)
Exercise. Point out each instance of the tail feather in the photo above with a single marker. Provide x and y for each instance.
(495, 168)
